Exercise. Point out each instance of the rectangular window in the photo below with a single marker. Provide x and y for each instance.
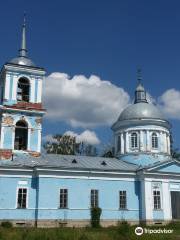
(63, 198)
(94, 198)
(22, 198)
(157, 199)
(122, 200)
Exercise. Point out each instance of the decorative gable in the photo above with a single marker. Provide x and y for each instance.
(172, 166)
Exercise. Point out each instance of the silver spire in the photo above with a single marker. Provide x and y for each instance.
(23, 50)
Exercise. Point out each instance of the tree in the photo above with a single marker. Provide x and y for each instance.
(108, 151)
(175, 153)
(67, 145)
(62, 144)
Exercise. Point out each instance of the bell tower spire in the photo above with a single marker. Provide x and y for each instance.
(140, 93)
(23, 50)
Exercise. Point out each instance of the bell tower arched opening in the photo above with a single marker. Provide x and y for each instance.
(23, 90)
(21, 135)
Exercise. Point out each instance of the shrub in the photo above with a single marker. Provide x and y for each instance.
(124, 228)
(83, 237)
(6, 224)
(95, 216)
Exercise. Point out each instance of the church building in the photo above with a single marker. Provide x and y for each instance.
(141, 184)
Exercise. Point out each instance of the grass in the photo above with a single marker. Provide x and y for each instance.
(121, 232)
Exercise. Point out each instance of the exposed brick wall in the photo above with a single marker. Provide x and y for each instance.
(35, 154)
(5, 154)
(26, 106)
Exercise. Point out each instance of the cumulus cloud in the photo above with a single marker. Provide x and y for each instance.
(83, 102)
(87, 136)
(169, 102)
(49, 138)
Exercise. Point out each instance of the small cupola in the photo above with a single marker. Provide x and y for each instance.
(140, 93)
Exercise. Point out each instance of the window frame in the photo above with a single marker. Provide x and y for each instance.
(94, 198)
(65, 206)
(123, 197)
(136, 146)
(17, 196)
(154, 141)
(158, 202)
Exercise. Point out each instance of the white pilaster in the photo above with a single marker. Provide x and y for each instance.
(2, 136)
(32, 90)
(148, 145)
(13, 137)
(29, 139)
(161, 141)
(166, 200)
(141, 142)
(168, 144)
(39, 141)
(146, 194)
(7, 87)
(127, 142)
(122, 143)
(14, 88)
(39, 93)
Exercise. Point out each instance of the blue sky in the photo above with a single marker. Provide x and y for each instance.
(109, 39)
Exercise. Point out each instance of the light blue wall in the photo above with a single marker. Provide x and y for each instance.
(79, 198)
(47, 198)
(8, 134)
(8, 199)
(158, 215)
(8, 131)
(11, 102)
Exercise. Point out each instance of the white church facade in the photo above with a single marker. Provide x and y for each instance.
(142, 183)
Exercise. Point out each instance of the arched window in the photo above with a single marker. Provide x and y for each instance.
(134, 140)
(154, 140)
(21, 135)
(23, 90)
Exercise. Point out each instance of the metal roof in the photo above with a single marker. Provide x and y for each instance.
(141, 110)
(68, 162)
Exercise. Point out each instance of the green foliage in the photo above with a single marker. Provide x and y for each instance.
(122, 232)
(108, 151)
(175, 153)
(6, 224)
(124, 228)
(95, 217)
(62, 144)
(67, 145)
(83, 237)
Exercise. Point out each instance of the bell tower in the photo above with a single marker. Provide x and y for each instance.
(21, 108)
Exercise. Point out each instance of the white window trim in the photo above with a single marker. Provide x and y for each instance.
(161, 202)
(157, 135)
(138, 141)
(59, 197)
(27, 197)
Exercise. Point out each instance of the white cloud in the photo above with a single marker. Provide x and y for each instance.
(49, 138)
(87, 136)
(169, 103)
(83, 102)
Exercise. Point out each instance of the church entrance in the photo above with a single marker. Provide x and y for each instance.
(21, 135)
(175, 204)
